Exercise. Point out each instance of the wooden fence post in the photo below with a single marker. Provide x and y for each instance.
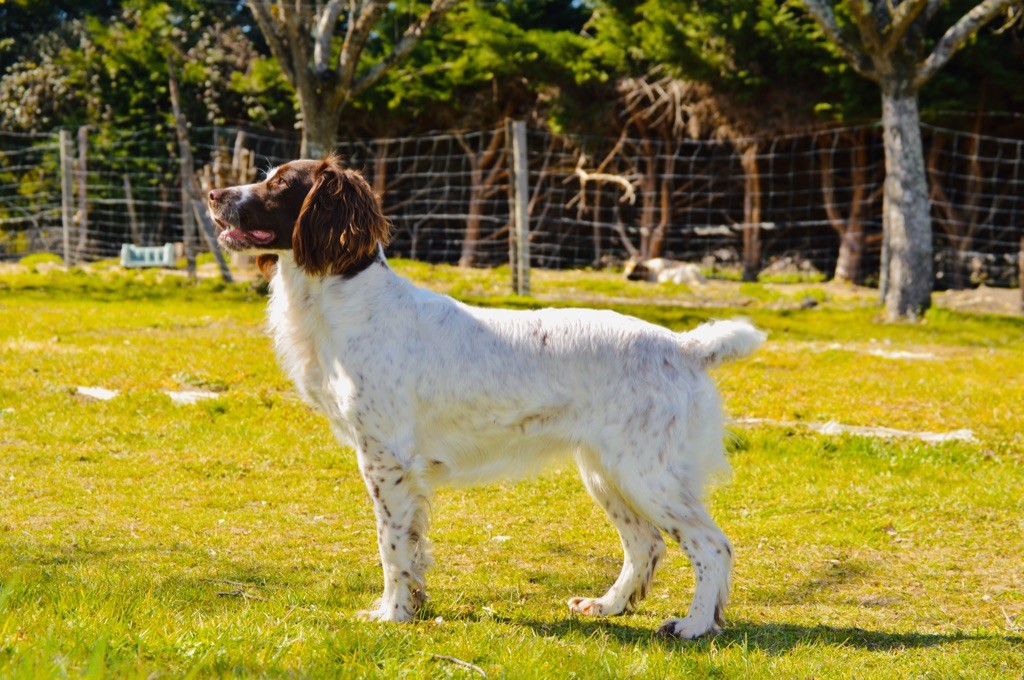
(82, 214)
(67, 192)
(513, 252)
(519, 214)
(133, 221)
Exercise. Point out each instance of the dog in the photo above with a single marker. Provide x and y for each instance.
(430, 391)
(662, 270)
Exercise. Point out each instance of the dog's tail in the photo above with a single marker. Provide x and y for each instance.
(717, 342)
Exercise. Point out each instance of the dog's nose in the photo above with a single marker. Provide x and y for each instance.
(215, 195)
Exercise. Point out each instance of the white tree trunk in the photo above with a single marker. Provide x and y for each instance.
(319, 127)
(906, 210)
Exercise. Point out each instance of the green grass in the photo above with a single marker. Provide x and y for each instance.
(233, 537)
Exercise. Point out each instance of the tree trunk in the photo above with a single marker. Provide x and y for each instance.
(906, 211)
(484, 172)
(849, 227)
(851, 250)
(648, 199)
(471, 237)
(665, 214)
(319, 127)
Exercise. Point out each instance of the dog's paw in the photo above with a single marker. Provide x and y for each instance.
(593, 606)
(688, 629)
(390, 614)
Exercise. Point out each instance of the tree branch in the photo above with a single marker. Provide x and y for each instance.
(324, 32)
(360, 26)
(298, 37)
(408, 41)
(864, 13)
(821, 10)
(904, 16)
(957, 36)
(278, 44)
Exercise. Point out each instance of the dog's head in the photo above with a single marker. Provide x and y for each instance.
(326, 214)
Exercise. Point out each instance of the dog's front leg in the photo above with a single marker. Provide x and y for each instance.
(402, 513)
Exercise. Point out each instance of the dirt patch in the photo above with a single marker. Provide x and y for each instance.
(982, 299)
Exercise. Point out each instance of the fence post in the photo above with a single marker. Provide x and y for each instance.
(82, 214)
(67, 192)
(519, 214)
(513, 252)
(133, 220)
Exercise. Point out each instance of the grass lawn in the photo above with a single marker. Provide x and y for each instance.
(139, 537)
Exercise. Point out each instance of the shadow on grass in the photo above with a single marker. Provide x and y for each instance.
(773, 639)
(781, 638)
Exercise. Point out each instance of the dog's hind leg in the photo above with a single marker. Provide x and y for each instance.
(642, 547)
(683, 517)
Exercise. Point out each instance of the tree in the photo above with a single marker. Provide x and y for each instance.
(487, 62)
(849, 225)
(111, 67)
(884, 41)
(326, 77)
(758, 63)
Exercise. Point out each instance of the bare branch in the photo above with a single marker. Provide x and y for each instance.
(298, 38)
(325, 31)
(957, 36)
(855, 55)
(628, 190)
(263, 14)
(903, 18)
(359, 29)
(408, 41)
(865, 16)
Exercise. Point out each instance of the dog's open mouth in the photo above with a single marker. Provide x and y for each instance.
(237, 238)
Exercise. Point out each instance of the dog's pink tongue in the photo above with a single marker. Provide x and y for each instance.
(261, 236)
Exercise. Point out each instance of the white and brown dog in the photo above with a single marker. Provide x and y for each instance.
(430, 391)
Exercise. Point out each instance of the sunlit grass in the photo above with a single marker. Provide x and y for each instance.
(233, 536)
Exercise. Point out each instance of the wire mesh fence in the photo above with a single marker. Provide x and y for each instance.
(807, 204)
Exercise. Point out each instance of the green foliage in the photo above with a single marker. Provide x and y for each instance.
(484, 62)
(104, 61)
(767, 49)
(112, 68)
(985, 76)
(747, 49)
(268, 97)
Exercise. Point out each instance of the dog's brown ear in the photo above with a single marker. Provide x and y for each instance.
(341, 223)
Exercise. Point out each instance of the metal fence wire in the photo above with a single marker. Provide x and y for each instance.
(797, 202)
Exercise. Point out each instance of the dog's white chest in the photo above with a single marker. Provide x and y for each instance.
(306, 354)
